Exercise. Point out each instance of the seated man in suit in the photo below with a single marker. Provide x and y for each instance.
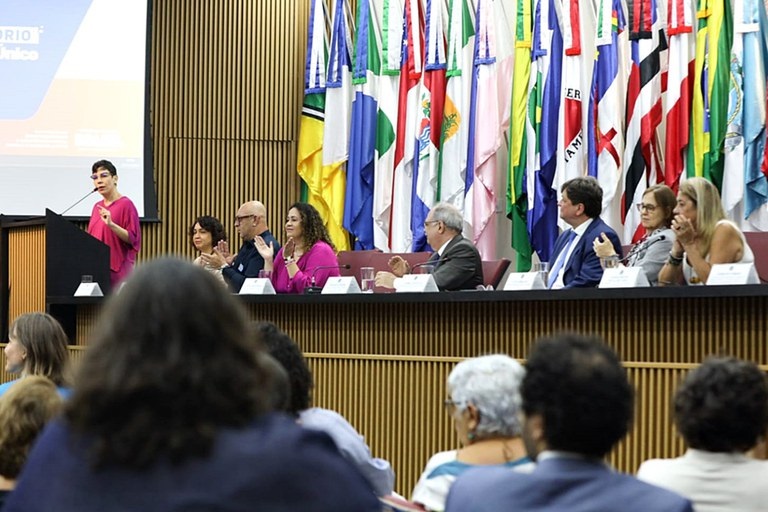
(250, 221)
(577, 404)
(574, 263)
(457, 264)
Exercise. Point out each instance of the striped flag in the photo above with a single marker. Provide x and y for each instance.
(310, 147)
(517, 194)
(389, 82)
(607, 105)
(400, 236)
(547, 54)
(429, 125)
(577, 20)
(682, 54)
(338, 101)
(644, 112)
(752, 23)
(454, 137)
(710, 90)
(358, 205)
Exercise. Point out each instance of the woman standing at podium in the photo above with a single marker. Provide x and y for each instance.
(114, 221)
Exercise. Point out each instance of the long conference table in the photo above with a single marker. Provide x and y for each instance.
(382, 360)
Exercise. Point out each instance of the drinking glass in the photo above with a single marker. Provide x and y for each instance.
(367, 279)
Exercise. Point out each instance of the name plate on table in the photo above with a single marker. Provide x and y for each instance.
(257, 286)
(733, 273)
(624, 277)
(89, 290)
(340, 285)
(517, 281)
(416, 283)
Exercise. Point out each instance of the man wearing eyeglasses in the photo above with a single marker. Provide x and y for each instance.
(457, 264)
(250, 222)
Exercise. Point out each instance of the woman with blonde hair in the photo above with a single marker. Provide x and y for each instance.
(704, 236)
(37, 345)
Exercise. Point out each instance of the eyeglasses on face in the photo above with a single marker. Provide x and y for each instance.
(103, 175)
(241, 218)
(428, 222)
(642, 207)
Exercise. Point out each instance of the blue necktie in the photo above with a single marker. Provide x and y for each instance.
(561, 259)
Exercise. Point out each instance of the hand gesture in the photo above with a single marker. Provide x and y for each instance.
(266, 251)
(290, 246)
(222, 249)
(214, 260)
(603, 246)
(385, 279)
(106, 215)
(684, 230)
(398, 265)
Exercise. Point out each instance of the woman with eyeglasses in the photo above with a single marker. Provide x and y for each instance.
(704, 236)
(651, 252)
(308, 258)
(205, 234)
(484, 402)
(114, 221)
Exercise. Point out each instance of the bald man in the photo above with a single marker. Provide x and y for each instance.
(250, 221)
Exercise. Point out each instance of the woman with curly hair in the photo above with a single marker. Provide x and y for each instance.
(37, 345)
(172, 411)
(298, 265)
(205, 233)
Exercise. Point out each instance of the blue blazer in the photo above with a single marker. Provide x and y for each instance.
(559, 484)
(583, 270)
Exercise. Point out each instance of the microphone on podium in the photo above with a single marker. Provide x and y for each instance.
(641, 246)
(79, 200)
(313, 289)
(431, 263)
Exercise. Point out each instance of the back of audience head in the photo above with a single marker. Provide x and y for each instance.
(24, 411)
(490, 385)
(37, 345)
(288, 354)
(722, 406)
(169, 364)
(575, 385)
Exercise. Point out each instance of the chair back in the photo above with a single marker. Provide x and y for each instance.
(758, 242)
(493, 271)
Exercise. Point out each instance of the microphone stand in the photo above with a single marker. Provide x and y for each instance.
(79, 201)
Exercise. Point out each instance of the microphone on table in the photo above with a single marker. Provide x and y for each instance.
(313, 289)
(80, 200)
(431, 263)
(641, 246)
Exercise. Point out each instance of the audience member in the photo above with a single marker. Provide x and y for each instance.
(652, 250)
(578, 404)
(24, 411)
(308, 258)
(170, 412)
(721, 410)
(251, 222)
(704, 236)
(350, 443)
(575, 263)
(114, 221)
(37, 345)
(484, 401)
(206, 233)
(457, 264)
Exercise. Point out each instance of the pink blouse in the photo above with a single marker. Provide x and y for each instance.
(319, 255)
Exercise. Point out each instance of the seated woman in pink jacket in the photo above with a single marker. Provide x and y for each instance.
(307, 253)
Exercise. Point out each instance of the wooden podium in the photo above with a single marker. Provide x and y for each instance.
(42, 261)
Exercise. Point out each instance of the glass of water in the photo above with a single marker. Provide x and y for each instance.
(367, 279)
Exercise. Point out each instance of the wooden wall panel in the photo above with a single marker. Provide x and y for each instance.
(26, 270)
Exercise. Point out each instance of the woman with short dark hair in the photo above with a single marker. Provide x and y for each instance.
(204, 234)
(171, 411)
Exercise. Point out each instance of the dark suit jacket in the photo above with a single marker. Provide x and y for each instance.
(558, 484)
(460, 266)
(247, 263)
(583, 270)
